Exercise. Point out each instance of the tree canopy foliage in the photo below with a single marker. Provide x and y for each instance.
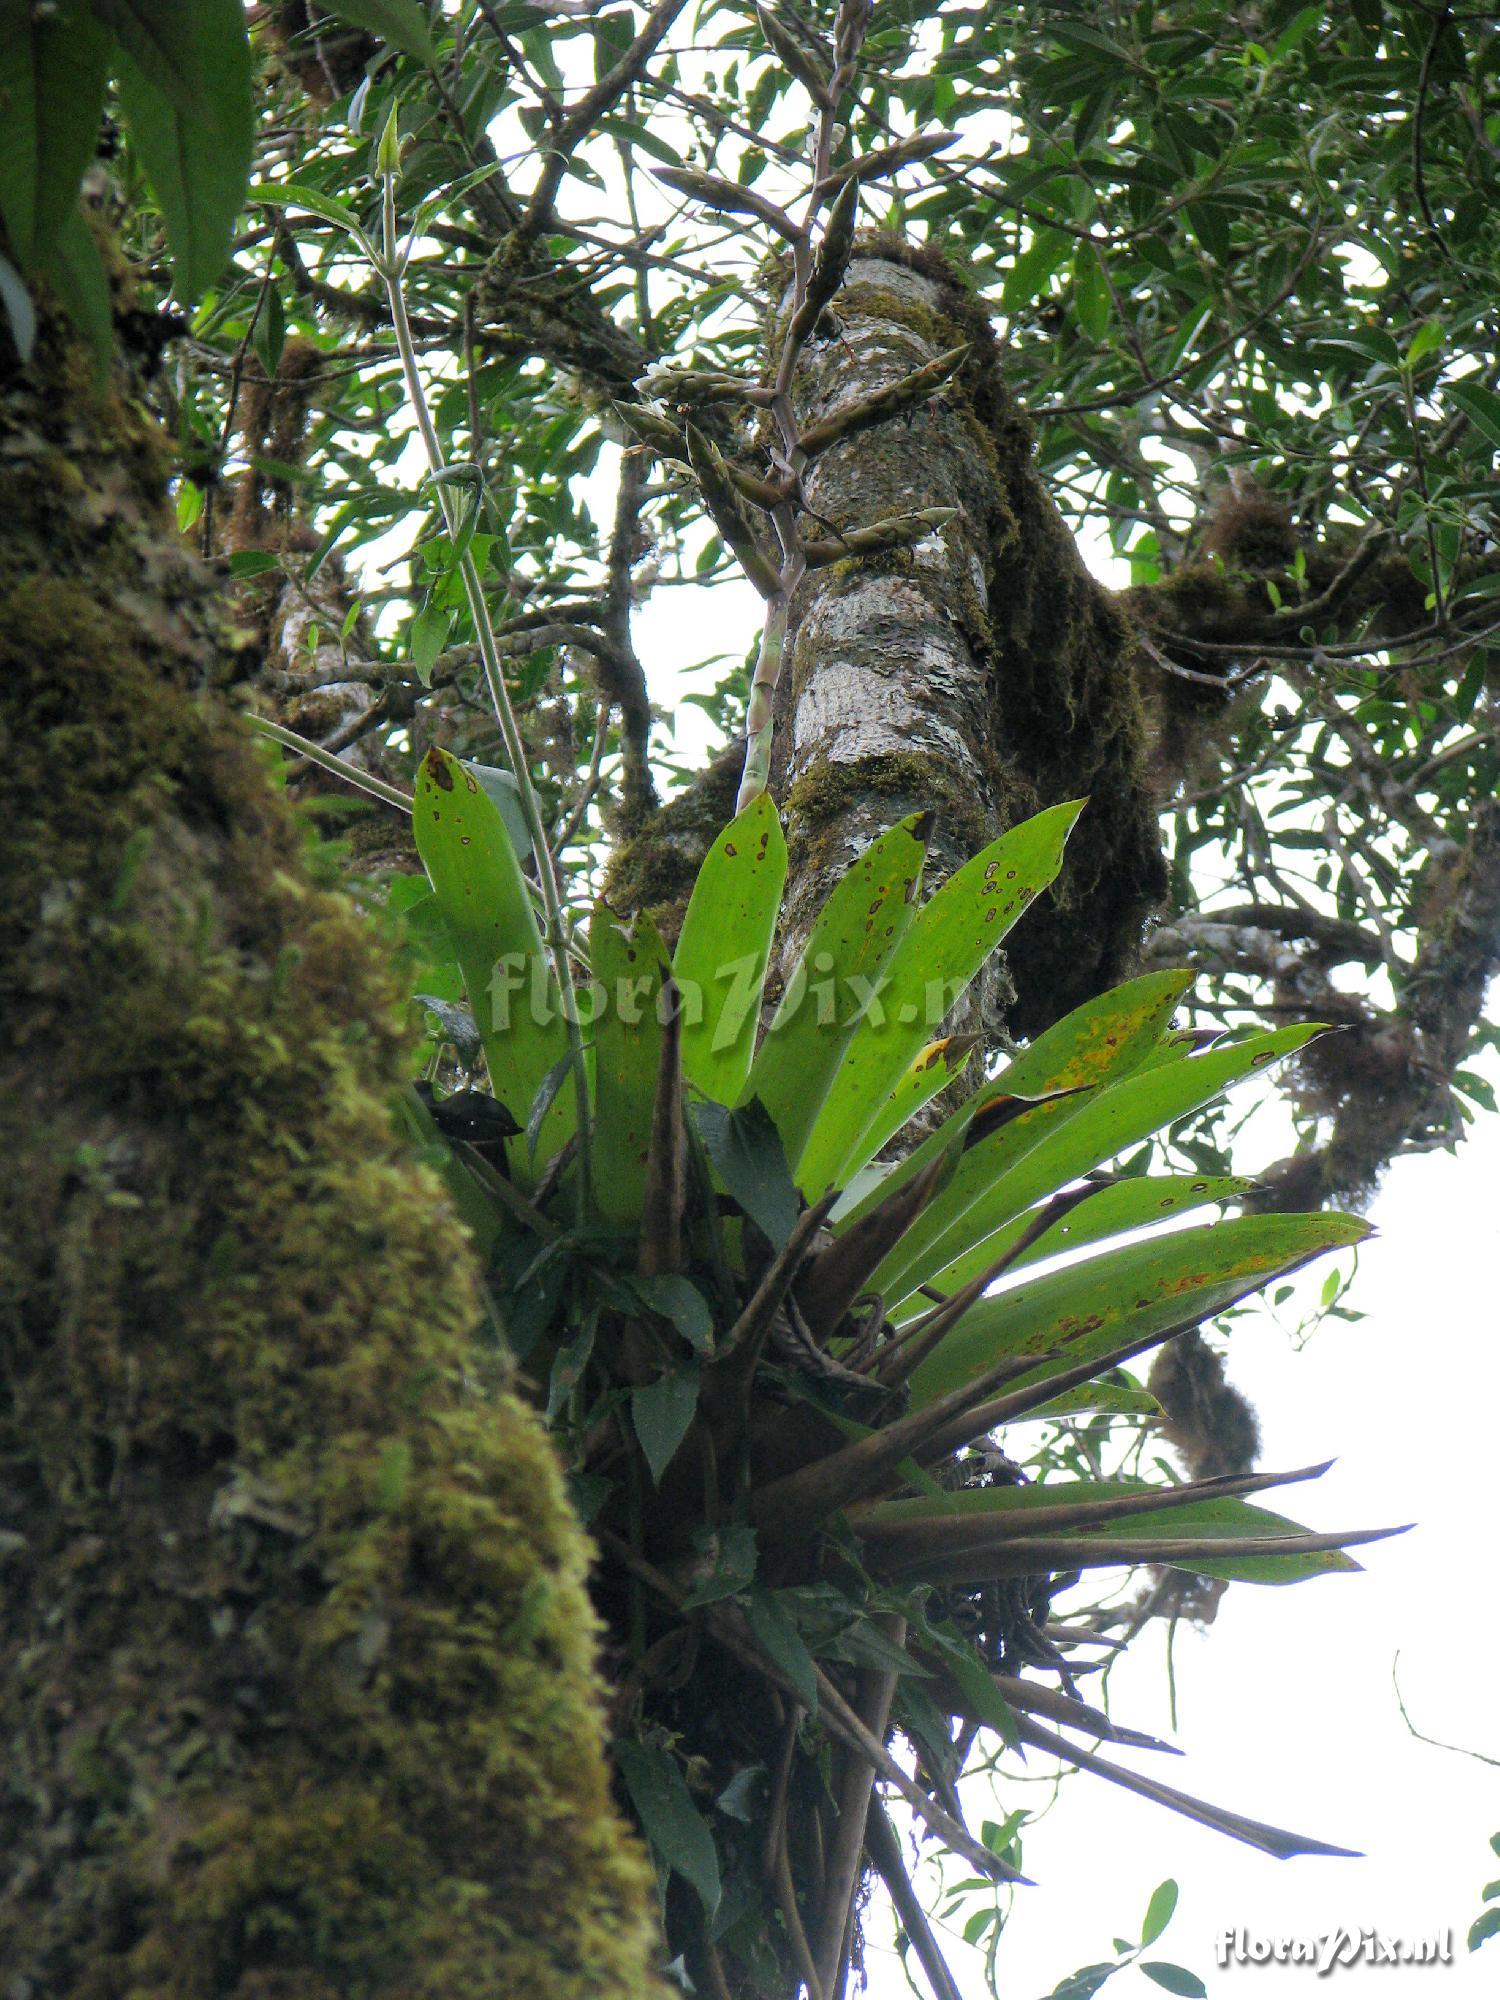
(480, 332)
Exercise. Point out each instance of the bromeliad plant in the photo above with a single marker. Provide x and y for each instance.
(776, 1348)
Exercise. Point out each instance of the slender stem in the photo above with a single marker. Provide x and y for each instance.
(390, 268)
(330, 761)
(876, 1692)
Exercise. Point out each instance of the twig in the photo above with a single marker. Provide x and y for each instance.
(885, 1852)
(390, 267)
(316, 754)
(876, 1693)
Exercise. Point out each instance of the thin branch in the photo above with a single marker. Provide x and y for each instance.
(316, 754)
(885, 1852)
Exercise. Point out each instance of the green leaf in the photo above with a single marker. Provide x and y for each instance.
(1106, 1302)
(425, 639)
(1085, 1982)
(774, 1631)
(292, 194)
(1101, 1041)
(1159, 1912)
(399, 22)
(1028, 276)
(1426, 340)
(975, 1682)
(197, 159)
(669, 1819)
(1211, 227)
(856, 931)
(733, 1554)
(1109, 1398)
(504, 794)
(1174, 1978)
(1480, 405)
(724, 947)
(679, 1300)
(486, 903)
(53, 61)
(1483, 1928)
(158, 37)
(253, 562)
(1369, 341)
(927, 971)
(1000, 1177)
(1114, 1209)
(629, 965)
(747, 1155)
(77, 273)
(189, 497)
(931, 1070)
(1091, 300)
(662, 1413)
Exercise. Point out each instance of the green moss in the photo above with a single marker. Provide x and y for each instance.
(819, 801)
(656, 870)
(297, 1671)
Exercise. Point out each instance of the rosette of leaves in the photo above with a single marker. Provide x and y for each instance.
(777, 1347)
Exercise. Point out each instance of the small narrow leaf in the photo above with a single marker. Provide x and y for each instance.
(679, 1300)
(1480, 405)
(19, 310)
(426, 637)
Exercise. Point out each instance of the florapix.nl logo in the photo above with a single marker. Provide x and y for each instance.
(521, 982)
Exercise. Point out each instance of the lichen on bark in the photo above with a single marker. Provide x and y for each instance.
(297, 1673)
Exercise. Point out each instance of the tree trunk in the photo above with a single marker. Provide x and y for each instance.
(983, 674)
(297, 1674)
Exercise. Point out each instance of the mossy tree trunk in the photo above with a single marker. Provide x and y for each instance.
(297, 1677)
(983, 674)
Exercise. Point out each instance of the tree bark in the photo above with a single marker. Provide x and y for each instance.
(984, 673)
(297, 1674)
